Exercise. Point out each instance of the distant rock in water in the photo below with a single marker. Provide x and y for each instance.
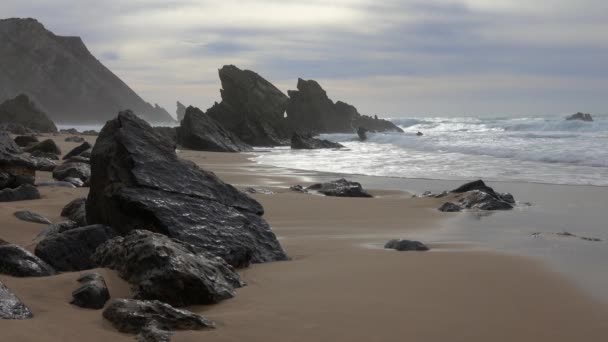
(251, 108)
(45, 146)
(476, 195)
(62, 77)
(16, 167)
(16, 261)
(307, 142)
(93, 292)
(362, 133)
(181, 111)
(340, 188)
(198, 131)
(21, 110)
(310, 109)
(406, 245)
(138, 182)
(580, 116)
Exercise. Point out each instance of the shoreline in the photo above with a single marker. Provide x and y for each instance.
(334, 288)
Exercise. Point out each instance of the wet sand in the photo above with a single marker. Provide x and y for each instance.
(340, 284)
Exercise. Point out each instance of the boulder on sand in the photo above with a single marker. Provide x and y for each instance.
(198, 131)
(477, 195)
(26, 140)
(307, 142)
(340, 188)
(12, 307)
(168, 270)
(81, 171)
(138, 182)
(77, 150)
(16, 168)
(45, 146)
(406, 245)
(93, 292)
(16, 261)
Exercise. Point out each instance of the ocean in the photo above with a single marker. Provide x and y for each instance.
(536, 149)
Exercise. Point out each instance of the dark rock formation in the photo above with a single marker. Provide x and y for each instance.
(46, 146)
(340, 188)
(72, 249)
(18, 262)
(200, 132)
(167, 270)
(170, 133)
(75, 139)
(93, 292)
(62, 77)
(24, 192)
(580, 116)
(26, 140)
(181, 111)
(17, 129)
(16, 168)
(21, 110)
(81, 171)
(307, 142)
(77, 150)
(450, 207)
(76, 211)
(362, 133)
(44, 155)
(251, 108)
(11, 307)
(406, 245)
(26, 215)
(310, 109)
(134, 186)
(44, 164)
(133, 316)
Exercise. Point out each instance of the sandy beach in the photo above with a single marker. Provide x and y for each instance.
(340, 284)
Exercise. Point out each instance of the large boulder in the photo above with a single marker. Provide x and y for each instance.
(16, 261)
(198, 131)
(22, 111)
(310, 109)
(72, 250)
(77, 150)
(24, 192)
(11, 307)
(138, 182)
(133, 316)
(251, 107)
(339, 188)
(92, 293)
(580, 116)
(45, 146)
(78, 170)
(168, 270)
(478, 196)
(307, 142)
(16, 168)
(76, 211)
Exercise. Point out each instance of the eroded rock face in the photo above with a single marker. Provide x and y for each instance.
(16, 168)
(72, 250)
(167, 270)
(406, 245)
(580, 116)
(21, 110)
(307, 142)
(11, 307)
(200, 132)
(340, 188)
(251, 108)
(131, 316)
(16, 261)
(93, 292)
(138, 182)
(310, 109)
(477, 195)
(77, 150)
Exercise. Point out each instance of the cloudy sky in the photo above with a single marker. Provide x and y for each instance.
(391, 57)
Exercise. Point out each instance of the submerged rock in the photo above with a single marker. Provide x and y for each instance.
(134, 186)
(477, 195)
(22, 193)
(12, 307)
(167, 270)
(580, 116)
(16, 261)
(340, 188)
(133, 316)
(406, 245)
(92, 294)
(200, 132)
(307, 142)
(26, 215)
(72, 250)
(45, 164)
(77, 150)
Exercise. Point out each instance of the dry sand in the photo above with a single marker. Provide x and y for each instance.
(340, 285)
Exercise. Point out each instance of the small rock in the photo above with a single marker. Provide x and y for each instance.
(92, 294)
(406, 245)
(24, 192)
(26, 215)
(449, 207)
(77, 150)
(19, 262)
(340, 188)
(297, 188)
(12, 307)
(75, 139)
(258, 191)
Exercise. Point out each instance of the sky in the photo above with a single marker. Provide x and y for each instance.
(392, 58)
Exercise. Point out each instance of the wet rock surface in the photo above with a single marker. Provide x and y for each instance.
(133, 186)
(77, 150)
(81, 171)
(11, 307)
(200, 132)
(406, 245)
(160, 268)
(307, 142)
(133, 316)
(26, 215)
(16, 261)
(476, 195)
(75, 139)
(93, 292)
(340, 188)
(76, 211)
(72, 250)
